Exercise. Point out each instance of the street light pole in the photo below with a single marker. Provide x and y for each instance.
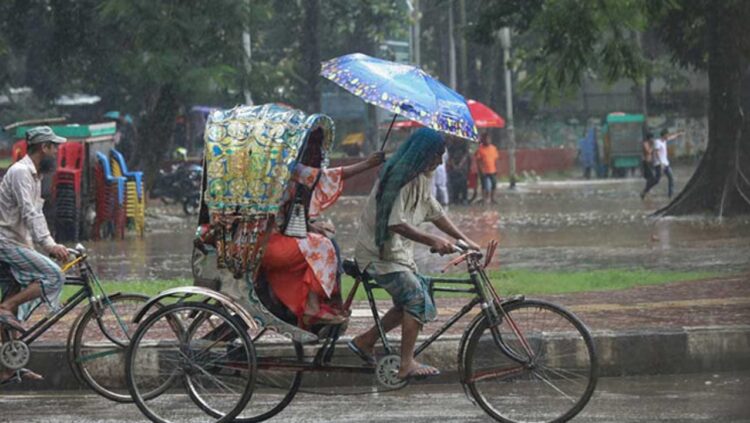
(505, 42)
(451, 46)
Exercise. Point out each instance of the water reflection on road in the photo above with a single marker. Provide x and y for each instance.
(543, 225)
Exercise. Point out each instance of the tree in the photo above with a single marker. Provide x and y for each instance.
(169, 53)
(575, 37)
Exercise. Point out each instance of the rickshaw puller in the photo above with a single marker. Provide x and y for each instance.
(399, 202)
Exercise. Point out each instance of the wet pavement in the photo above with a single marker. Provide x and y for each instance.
(598, 224)
(715, 397)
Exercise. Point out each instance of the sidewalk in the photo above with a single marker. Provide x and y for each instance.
(680, 327)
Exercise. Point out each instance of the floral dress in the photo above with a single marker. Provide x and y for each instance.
(303, 272)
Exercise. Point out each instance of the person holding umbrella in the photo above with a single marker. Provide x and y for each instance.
(398, 203)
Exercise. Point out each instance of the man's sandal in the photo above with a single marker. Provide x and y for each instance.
(413, 375)
(7, 318)
(20, 375)
(367, 358)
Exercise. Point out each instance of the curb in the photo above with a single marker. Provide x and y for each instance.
(621, 353)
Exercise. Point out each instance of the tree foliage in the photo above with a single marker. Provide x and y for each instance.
(574, 37)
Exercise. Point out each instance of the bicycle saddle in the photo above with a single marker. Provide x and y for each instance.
(351, 268)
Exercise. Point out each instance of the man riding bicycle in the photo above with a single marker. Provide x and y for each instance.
(22, 224)
(401, 200)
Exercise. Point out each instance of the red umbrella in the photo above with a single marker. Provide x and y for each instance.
(484, 117)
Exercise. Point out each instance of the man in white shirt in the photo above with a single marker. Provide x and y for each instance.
(661, 163)
(22, 224)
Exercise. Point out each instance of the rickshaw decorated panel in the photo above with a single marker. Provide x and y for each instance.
(250, 153)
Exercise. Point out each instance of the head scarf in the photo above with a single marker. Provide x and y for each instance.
(414, 156)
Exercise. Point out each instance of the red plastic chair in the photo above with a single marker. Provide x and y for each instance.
(69, 167)
(19, 150)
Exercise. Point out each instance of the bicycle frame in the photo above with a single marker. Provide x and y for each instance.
(87, 291)
(477, 283)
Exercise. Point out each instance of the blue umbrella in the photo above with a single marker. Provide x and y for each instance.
(404, 90)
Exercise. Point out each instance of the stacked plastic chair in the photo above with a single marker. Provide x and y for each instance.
(110, 200)
(66, 191)
(135, 207)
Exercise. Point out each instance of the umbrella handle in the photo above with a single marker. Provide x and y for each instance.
(382, 146)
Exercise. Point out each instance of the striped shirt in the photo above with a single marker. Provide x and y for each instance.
(21, 217)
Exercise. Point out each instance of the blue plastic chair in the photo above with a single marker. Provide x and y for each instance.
(120, 180)
(136, 176)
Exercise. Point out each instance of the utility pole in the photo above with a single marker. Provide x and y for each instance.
(451, 46)
(463, 61)
(247, 59)
(417, 34)
(505, 42)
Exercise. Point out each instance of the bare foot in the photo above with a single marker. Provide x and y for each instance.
(416, 370)
(368, 349)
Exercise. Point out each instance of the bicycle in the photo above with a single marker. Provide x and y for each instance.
(520, 360)
(97, 339)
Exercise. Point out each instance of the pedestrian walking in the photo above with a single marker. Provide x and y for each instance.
(660, 161)
(647, 162)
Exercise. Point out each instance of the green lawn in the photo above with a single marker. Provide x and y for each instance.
(5, 162)
(507, 282)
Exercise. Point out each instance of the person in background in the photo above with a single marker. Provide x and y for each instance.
(440, 182)
(587, 153)
(458, 166)
(647, 162)
(661, 163)
(486, 157)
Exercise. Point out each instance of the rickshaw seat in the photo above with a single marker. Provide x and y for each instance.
(351, 268)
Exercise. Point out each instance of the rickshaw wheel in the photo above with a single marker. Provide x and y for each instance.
(274, 388)
(208, 351)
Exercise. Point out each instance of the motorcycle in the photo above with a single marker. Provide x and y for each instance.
(182, 183)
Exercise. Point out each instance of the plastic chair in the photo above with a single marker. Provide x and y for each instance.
(110, 198)
(69, 167)
(135, 201)
(19, 150)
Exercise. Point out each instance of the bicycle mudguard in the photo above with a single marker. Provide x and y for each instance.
(188, 291)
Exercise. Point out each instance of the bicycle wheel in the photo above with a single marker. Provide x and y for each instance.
(97, 344)
(547, 374)
(275, 386)
(215, 370)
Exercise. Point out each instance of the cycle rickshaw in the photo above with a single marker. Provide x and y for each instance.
(227, 354)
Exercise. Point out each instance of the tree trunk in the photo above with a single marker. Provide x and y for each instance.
(311, 56)
(721, 183)
(156, 135)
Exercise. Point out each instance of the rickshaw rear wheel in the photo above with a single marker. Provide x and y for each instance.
(204, 350)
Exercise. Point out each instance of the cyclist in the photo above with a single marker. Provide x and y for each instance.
(399, 202)
(22, 224)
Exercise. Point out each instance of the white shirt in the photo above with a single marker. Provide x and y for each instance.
(414, 205)
(660, 152)
(21, 217)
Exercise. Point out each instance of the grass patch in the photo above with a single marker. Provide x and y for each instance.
(509, 282)
(5, 162)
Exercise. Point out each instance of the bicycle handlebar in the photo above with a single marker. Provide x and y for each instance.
(459, 247)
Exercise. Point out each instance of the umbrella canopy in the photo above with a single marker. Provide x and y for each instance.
(403, 89)
(484, 117)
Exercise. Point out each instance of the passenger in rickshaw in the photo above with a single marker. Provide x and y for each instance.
(400, 201)
(303, 273)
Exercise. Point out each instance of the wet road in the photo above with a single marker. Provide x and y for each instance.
(599, 224)
(718, 398)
